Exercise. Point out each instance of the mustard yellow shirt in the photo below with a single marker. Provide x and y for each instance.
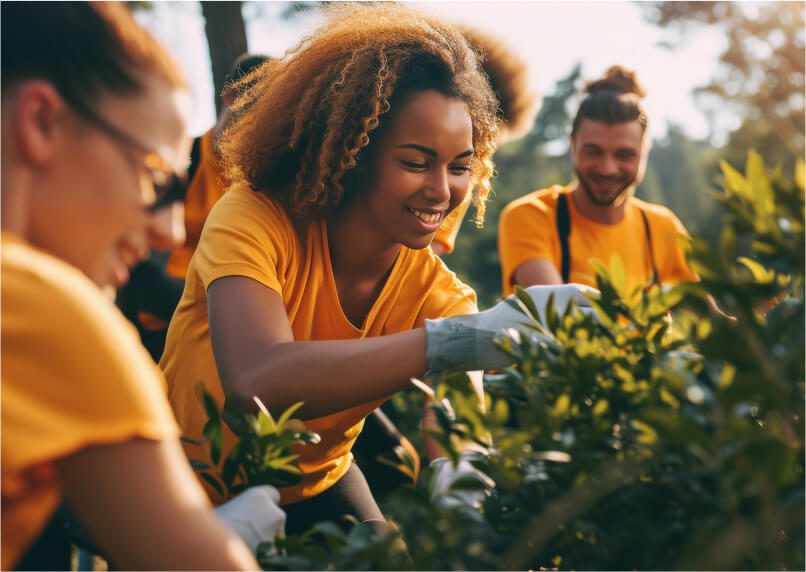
(248, 234)
(73, 375)
(528, 230)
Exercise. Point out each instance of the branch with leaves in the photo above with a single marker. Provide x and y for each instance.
(263, 454)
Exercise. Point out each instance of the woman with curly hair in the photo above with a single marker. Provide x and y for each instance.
(508, 76)
(312, 280)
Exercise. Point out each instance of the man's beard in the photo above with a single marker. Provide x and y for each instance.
(596, 200)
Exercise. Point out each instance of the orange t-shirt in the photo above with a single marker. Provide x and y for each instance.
(528, 231)
(73, 375)
(205, 189)
(249, 234)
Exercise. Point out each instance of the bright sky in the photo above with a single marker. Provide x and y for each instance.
(551, 36)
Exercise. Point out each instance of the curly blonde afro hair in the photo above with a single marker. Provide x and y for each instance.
(509, 78)
(306, 121)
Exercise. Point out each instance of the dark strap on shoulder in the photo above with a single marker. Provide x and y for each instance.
(654, 278)
(195, 156)
(563, 230)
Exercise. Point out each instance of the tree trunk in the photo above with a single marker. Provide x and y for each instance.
(226, 39)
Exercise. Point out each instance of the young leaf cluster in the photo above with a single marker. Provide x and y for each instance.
(264, 451)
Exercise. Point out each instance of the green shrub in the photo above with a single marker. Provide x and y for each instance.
(660, 434)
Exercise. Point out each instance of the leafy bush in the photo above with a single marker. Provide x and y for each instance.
(658, 434)
(263, 454)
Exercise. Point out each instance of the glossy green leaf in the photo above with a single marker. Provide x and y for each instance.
(527, 303)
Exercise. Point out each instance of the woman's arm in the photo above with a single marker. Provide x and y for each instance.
(256, 355)
(145, 509)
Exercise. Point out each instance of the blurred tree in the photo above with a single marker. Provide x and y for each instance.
(226, 39)
(678, 173)
(762, 72)
(554, 120)
(296, 8)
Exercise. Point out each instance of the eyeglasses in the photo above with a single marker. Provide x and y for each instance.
(169, 187)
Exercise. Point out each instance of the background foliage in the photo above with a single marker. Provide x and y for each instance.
(761, 77)
(662, 435)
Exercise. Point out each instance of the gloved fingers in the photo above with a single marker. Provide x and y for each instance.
(446, 475)
(254, 515)
(562, 295)
(466, 342)
(583, 293)
(268, 494)
(500, 316)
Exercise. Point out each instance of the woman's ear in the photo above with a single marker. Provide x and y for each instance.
(39, 119)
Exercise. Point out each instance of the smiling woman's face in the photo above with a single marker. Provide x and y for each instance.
(421, 168)
(93, 213)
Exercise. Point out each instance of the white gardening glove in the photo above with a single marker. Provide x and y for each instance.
(254, 515)
(467, 342)
(445, 475)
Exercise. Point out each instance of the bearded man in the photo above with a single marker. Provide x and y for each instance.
(551, 236)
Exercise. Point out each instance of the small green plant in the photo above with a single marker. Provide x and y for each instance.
(263, 454)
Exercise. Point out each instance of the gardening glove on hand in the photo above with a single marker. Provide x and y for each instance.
(467, 342)
(254, 515)
(444, 477)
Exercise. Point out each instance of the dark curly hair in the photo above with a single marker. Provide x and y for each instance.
(304, 129)
(615, 98)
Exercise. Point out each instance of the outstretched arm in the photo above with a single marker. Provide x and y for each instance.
(256, 355)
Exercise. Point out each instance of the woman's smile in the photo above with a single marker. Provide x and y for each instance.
(430, 218)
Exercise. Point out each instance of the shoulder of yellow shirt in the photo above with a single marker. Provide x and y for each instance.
(543, 199)
(52, 273)
(653, 210)
(64, 295)
(546, 200)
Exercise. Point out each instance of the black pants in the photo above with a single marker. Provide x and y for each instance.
(350, 496)
(51, 550)
(380, 438)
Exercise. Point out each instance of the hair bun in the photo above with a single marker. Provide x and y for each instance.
(617, 79)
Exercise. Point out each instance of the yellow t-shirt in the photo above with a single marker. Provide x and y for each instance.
(205, 189)
(73, 375)
(248, 234)
(449, 229)
(528, 231)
